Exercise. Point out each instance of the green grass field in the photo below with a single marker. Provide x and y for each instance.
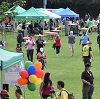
(64, 67)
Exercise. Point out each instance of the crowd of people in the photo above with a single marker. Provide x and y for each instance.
(47, 90)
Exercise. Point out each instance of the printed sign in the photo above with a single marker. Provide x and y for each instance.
(12, 73)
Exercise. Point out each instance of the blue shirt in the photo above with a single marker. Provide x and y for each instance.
(84, 39)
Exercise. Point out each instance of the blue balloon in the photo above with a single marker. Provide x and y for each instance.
(31, 69)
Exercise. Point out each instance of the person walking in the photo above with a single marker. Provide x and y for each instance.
(41, 57)
(98, 40)
(87, 53)
(30, 48)
(90, 24)
(57, 42)
(40, 43)
(20, 38)
(71, 42)
(88, 82)
(84, 38)
(46, 86)
(62, 94)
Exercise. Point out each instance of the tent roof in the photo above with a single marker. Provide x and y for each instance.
(50, 14)
(32, 13)
(9, 58)
(16, 9)
(57, 10)
(68, 13)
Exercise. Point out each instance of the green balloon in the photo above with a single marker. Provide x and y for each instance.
(31, 87)
(27, 64)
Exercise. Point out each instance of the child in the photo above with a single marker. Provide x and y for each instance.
(51, 95)
(41, 56)
(18, 93)
(18, 48)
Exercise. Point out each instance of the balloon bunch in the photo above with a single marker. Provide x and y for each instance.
(31, 75)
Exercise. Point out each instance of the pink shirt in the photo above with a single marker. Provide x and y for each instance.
(30, 44)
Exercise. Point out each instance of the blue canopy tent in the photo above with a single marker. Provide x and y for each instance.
(68, 13)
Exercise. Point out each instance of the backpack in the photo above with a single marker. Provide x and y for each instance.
(70, 96)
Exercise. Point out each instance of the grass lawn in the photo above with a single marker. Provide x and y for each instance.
(64, 67)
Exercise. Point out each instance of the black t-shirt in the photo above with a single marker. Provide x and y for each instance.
(88, 76)
(39, 43)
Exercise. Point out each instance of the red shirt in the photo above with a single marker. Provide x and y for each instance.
(57, 40)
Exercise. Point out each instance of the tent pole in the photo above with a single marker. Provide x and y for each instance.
(1, 75)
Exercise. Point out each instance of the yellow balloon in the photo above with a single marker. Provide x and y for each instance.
(38, 81)
(32, 78)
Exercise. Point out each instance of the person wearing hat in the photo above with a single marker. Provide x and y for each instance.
(87, 55)
(4, 94)
(18, 93)
(41, 57)
(88, 82)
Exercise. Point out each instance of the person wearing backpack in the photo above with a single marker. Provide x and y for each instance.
(62, 94)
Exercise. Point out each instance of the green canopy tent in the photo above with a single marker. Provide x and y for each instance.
(7, 59)
(31, 14)
(16, 10)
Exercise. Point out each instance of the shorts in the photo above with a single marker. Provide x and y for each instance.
(71, 45)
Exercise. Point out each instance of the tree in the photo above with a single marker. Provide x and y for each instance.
(3, 8)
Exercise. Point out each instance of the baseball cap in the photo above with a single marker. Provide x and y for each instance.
(87, 65)
(88, 42)
(4, 92)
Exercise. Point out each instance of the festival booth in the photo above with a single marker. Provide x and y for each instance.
(31, 14)
(10, 64)
(68, 13)
(34, 15)
(51, 15)
(56, 11)
(15, 9)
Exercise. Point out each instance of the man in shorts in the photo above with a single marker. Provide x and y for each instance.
(71, 42)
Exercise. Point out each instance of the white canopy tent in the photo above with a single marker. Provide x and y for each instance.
(51, 15)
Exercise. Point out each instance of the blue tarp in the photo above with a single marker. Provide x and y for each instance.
(68, 13)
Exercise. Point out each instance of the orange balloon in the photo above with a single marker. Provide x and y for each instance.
(22, 81)
(38, 65)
